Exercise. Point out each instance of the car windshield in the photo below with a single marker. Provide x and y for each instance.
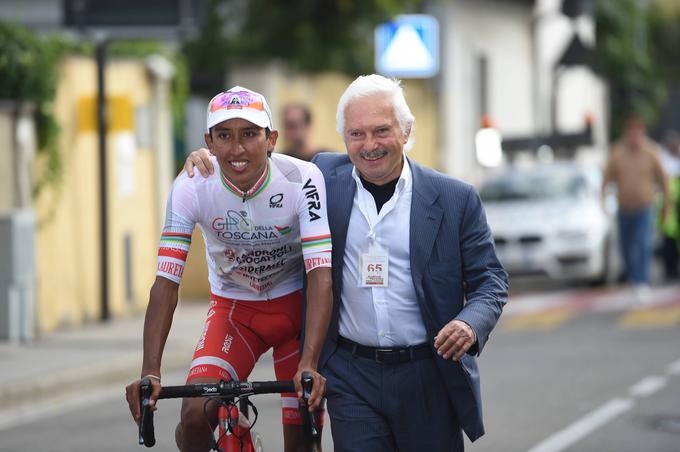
(534, 185)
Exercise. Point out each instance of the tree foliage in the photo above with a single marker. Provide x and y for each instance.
(638, 54)
(309, 35)
(29, 73)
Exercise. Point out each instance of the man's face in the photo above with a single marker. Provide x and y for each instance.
(241, 149)
(374, 140)
(295, 127)
(635, 132)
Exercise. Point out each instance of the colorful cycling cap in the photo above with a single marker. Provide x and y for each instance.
(239, 102)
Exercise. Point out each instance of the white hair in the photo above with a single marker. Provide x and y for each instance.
(369, 85)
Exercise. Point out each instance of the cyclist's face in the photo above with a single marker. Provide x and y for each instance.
(241, 149)
(374, 139)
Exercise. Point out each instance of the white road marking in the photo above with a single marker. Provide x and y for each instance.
(674, 368)
(647, 386)
(584, 426)
(605, 413)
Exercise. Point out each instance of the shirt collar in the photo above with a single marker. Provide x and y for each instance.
(255, 190)
(404, 177)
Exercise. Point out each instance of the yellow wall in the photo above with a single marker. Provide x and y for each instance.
(68, 239)
(321, 93)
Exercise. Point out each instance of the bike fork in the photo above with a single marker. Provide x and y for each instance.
(240, 427)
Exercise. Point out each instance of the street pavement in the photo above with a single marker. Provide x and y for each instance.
(582, 369)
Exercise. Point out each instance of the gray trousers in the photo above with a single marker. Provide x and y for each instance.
(389, 407)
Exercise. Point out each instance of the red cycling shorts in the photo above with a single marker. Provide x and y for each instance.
(237, 333)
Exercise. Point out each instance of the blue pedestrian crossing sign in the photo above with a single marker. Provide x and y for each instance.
(408, 47)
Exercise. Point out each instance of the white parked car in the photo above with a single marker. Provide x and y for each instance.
(548, 219)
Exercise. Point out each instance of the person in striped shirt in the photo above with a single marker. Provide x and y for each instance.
(264, 223)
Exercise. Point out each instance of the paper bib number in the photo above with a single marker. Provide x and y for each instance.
(374, 270)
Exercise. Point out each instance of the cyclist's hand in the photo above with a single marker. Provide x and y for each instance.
(454, 340)
(318, 389)
(200, 159)
(132, 396)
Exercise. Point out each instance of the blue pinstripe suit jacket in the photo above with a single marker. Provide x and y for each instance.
(454, 267)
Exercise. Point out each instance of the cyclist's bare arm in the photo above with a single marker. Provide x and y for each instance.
(162, 304)
(319, 307)
(199, 159)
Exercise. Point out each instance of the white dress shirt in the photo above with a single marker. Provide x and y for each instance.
(381, 316)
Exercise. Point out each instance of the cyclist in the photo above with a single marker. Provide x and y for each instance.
(263, 219)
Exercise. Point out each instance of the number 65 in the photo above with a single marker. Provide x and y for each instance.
(375, 267)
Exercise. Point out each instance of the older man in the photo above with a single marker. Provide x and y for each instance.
(417, 286)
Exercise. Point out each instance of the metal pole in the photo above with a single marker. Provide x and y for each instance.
(103, 192)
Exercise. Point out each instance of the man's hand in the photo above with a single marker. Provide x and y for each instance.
(201, 160)
(318, 389)
(454, 340)
(132, 396)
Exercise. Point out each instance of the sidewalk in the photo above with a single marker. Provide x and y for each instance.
(90, 356)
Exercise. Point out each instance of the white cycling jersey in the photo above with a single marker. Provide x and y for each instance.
(255, 241)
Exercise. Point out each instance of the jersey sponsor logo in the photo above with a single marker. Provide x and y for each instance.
(201, 342)
(229, 254)
(313, 262)
(258, 267)
(262, 269)
(313, 200)
(261, 287)
(198, 370)
(233, 221)
(263, 256)
(235, 225)
(227, 343)
(171, 268)
(266, 234)
(276, 201)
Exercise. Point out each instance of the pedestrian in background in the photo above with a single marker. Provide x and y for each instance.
(297, 131)
(670, 228)
(634, 167)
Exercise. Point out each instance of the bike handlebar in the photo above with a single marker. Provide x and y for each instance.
(221, 389)
(226, 389)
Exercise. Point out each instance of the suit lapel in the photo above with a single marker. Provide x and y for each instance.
(340, 198)
(425, 221)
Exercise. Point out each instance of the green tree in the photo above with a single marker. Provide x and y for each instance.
(28, 73)
(639, 56)
(309, 35)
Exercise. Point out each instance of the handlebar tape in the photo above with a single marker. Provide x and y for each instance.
(146, 430)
